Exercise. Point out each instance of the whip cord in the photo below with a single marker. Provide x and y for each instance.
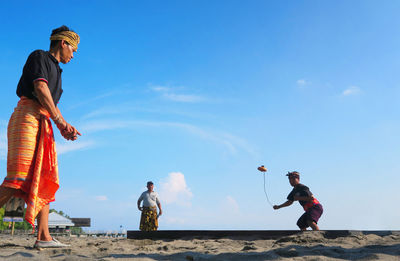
(265, 191)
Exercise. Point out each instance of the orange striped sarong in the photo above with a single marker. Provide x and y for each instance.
(32, 159)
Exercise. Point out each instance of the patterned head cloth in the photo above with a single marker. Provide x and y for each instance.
(293, 174)
(71, 37)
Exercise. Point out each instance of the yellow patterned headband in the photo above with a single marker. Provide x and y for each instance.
(71, 37)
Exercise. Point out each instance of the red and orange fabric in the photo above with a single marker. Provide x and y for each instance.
(32, 159)
(310, 204)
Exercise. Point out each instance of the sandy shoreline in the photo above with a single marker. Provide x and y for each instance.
(304, 246)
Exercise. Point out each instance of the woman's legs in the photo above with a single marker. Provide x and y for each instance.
(43, 224)
(42, 218)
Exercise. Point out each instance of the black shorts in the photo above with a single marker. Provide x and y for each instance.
(312, 214)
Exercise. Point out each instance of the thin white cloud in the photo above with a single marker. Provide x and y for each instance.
(239, 142)
(204, 214)
(67, 194)
(3, 150)
(126, 111)
(108, 110)
(120, 92)
(3, 143)
(230, 205)
(160, 88)
(99, 97)
(101, 198)
(352, 90)
(174, 221)
(183, 98)
(3, 123)
(95, 126)
(73, 146)
(227, 140)
(303, 82)
(169, 94)
(174, 189)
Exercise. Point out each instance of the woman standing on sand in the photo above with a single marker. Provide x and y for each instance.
(32, 171)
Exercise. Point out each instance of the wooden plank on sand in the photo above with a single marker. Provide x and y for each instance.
(238, 234)
(215, 234)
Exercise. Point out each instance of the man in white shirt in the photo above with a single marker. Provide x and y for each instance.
(149, 217)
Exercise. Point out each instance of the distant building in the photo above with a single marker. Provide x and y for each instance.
(58, 223)
(81, 222)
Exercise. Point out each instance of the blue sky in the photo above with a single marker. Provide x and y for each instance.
(195, 95)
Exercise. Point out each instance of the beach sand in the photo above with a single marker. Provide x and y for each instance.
(303, 246)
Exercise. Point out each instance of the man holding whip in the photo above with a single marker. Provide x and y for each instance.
(313, 209)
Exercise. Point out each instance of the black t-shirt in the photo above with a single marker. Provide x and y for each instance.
(301, 191)
(40, 65)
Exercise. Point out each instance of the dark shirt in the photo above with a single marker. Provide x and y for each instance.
(40, 65)
(301, 191)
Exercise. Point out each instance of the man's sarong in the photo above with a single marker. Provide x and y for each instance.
(148, 220)
(312, 214)
(32, 158)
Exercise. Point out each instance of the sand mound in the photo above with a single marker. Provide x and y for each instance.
(302, 246)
